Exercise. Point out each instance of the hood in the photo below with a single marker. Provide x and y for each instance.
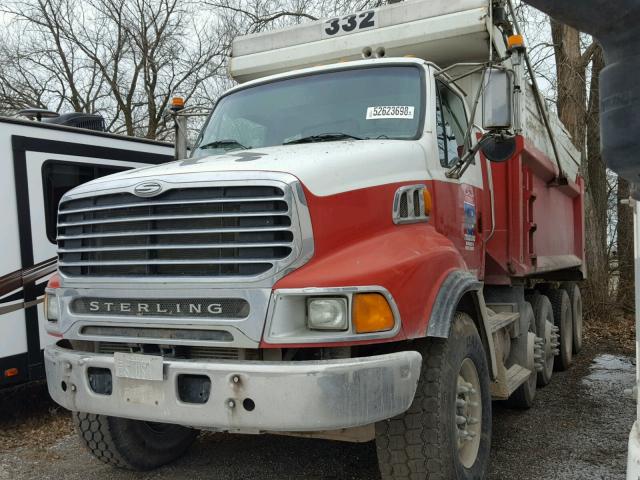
(325, 168)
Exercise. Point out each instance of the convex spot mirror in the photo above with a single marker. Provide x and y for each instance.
(499, 148)
(497, 99)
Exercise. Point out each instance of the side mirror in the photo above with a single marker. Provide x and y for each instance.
(497, 100)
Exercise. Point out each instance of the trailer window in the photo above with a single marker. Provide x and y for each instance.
(58, 177)
(367, 103)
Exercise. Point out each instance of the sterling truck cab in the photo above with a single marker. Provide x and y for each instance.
(335, 259)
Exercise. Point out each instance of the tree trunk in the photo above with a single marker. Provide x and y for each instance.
(582, 122)
(570, 68)
(624, 228)
(596, 199)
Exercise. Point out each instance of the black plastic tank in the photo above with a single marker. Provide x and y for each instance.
(616, 25)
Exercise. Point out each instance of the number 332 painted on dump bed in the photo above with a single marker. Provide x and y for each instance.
(350, 24)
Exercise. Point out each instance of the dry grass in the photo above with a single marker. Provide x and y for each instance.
(615, 331)
(30, 418)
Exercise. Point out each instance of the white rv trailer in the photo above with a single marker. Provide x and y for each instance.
(39, 163)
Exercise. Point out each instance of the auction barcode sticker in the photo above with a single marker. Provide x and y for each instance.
(398, 111)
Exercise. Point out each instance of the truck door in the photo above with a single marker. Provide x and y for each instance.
(460, 200)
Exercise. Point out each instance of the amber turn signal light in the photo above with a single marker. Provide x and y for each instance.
(427, 201)
(371, 313)
(11, 372)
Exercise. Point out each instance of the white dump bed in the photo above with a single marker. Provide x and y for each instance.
(444, 32)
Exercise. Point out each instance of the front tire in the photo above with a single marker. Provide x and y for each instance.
(446, 433)
(132, 444)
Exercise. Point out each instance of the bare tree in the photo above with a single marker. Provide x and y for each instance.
(624, 234)
(578, 108)
(122, 59)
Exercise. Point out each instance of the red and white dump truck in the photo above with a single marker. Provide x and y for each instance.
(345, 254)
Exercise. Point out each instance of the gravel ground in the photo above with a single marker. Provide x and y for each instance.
(577, 430)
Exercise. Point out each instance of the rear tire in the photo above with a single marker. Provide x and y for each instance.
(575, 297)
(543, 313)
(429, 440)
(562, 319)
(132, 444)
(525, 394)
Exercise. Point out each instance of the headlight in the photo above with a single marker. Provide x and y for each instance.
(51, 307)
(327, 313)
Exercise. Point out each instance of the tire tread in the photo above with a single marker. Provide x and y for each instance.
(412, 446)
(557, 297)
(95, 433)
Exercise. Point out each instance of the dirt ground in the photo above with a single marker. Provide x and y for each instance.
(578, 429)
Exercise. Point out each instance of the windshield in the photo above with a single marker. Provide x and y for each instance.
(362, 103)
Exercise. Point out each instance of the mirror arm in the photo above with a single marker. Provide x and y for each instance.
(461, 165)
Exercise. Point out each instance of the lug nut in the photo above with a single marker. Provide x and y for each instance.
(231, 404)
(235, 379)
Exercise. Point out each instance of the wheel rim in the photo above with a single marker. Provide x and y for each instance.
(468, 410)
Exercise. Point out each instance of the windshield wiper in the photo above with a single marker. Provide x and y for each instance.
(227, 144)
(323, 137)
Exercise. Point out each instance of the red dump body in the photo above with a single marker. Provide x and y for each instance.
(539, 225)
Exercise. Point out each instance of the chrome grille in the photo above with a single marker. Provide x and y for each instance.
(214, 231)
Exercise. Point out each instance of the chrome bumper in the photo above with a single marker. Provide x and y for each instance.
(288, 396)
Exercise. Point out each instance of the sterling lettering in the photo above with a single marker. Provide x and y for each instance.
(155, 308)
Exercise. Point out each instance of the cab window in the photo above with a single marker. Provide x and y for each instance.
(451, 119)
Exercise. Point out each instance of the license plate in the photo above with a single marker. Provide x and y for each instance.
(139, 367)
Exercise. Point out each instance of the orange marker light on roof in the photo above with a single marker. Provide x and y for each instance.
(371, 313)
(515, 41)
(177, 103)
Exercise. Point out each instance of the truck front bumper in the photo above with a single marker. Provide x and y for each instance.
(285, 396)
